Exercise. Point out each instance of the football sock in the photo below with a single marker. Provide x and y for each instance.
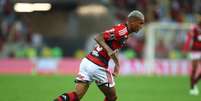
(63, 97)
(72, 96)
(192, 78)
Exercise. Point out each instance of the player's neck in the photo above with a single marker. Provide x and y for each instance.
(129, 31)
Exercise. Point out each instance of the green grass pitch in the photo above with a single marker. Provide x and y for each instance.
(129, 88)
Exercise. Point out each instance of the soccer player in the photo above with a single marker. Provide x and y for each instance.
(194, 43)
(94, 67)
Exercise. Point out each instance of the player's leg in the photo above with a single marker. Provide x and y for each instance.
(80, 90)
(193, 73)
(83, 81)
(105, 82)
(199, 73)
(198, 78)
(109, 92)
(194, 90)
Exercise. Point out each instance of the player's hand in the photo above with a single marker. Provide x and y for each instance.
(115, 74)
(112, 53)
(116, 71)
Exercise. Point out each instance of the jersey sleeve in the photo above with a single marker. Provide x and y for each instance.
(187, 41)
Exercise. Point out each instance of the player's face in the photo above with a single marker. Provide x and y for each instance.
(199, 18)
(136, 25)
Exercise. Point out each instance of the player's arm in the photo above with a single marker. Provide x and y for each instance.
(188, 41)
(113, 54)
(99, 39)
(116, 61)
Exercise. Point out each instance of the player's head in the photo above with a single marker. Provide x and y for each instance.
(199, 19)
(135, 21)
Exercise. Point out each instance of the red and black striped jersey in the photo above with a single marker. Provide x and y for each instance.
(196, 36)
(115, 38)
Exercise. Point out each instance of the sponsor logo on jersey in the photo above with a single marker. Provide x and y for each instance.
(123, 31)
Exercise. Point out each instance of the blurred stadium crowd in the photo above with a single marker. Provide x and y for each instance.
(22, 35)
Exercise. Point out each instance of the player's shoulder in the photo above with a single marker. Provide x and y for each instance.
(120, 26)
(121, 29)
(116, 28)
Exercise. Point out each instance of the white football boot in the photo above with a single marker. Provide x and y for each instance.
(194, 91)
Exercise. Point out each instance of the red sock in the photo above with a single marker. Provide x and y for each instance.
(73, 96)
(58, 99)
